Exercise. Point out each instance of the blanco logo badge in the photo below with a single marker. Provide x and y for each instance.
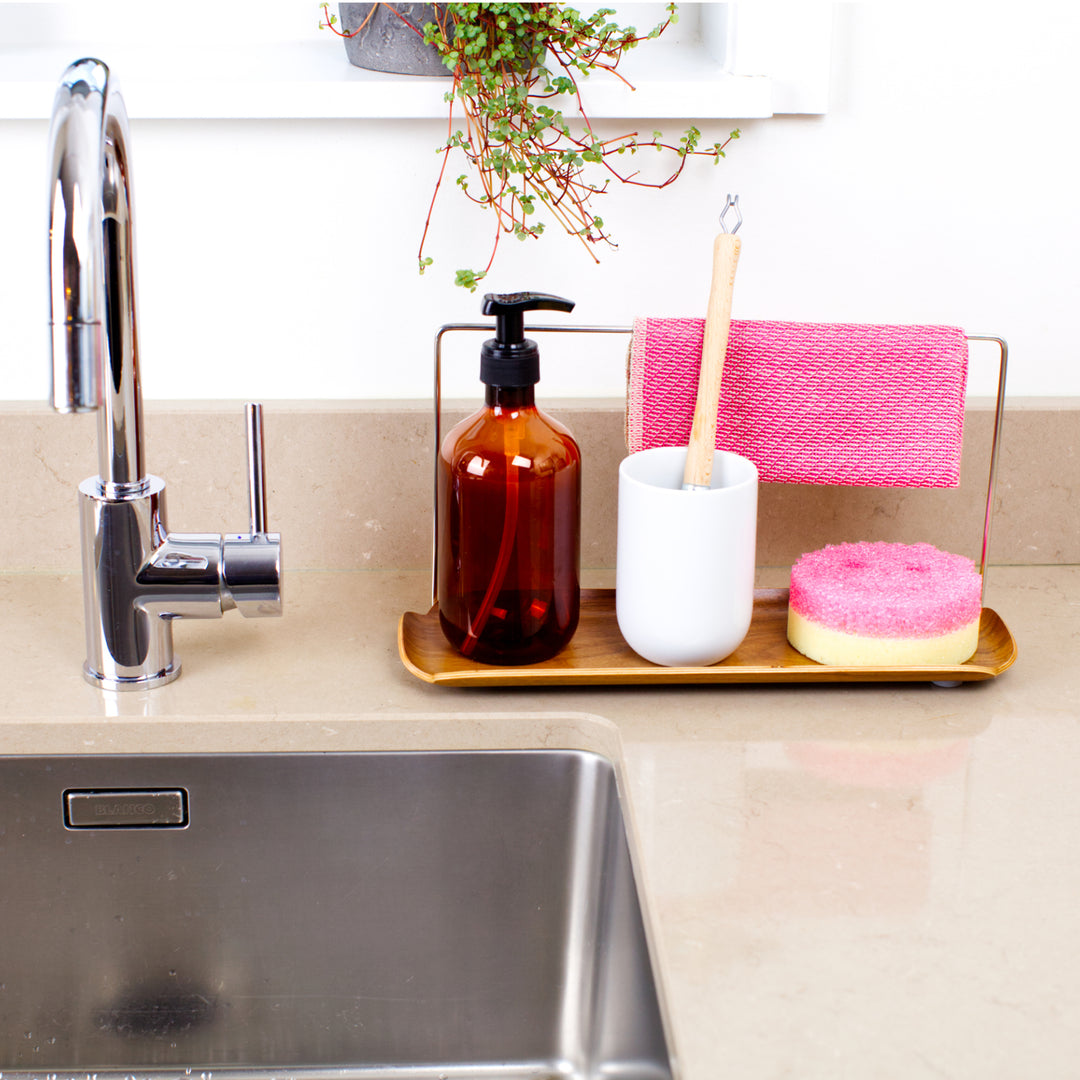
(98, 809)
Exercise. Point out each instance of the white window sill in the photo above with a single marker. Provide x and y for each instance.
(302, 78)
(295, 81)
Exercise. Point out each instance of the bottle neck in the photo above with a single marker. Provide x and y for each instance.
(509, 397)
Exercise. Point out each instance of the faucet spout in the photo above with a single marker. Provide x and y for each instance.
(138, 577)
(92, 269)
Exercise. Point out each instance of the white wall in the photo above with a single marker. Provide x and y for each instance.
(277, 258)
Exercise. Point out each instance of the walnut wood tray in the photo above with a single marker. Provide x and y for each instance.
(598, 655)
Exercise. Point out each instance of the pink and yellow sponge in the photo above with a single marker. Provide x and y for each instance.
(882, 604)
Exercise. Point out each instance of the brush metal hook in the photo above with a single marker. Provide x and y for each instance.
(731, 204)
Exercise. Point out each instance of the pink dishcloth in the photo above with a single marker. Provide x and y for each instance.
(810, 403)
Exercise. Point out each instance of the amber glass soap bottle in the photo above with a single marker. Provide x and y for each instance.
(509, 507)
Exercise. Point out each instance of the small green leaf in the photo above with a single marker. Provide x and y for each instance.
(469, 279)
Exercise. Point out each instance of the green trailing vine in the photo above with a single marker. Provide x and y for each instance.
(513, 65)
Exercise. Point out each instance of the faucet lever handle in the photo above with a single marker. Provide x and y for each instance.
(251, 565)
(256, 467)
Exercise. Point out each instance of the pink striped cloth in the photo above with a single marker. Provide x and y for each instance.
(811, 403)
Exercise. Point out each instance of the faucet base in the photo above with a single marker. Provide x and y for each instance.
(131, 682)
(127, 646)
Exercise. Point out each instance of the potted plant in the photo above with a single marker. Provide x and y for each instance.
(513, 65)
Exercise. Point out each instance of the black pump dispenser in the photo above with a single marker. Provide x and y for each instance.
(510, 358)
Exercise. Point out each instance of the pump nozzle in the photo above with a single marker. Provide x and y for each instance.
(509, 311)
(509, 358)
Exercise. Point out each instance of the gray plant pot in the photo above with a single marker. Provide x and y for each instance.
(386, 43)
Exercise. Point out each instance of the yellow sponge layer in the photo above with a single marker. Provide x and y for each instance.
(839, 649)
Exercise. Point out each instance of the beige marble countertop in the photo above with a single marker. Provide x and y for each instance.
(842, 881)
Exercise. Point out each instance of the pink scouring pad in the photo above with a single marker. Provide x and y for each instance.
(869, 604)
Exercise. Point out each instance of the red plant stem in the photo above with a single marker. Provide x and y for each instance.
(341, 33)
(439, 180)
(367, 18)
(414, 29)
(494, 249)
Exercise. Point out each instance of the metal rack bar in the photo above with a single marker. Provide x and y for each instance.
(563, 329)
(995, 444)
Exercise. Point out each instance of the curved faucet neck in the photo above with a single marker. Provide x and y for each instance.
(92, 269)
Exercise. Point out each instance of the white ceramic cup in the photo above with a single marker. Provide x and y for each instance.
(684, 576)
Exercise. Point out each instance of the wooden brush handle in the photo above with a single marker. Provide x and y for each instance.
(699, 456)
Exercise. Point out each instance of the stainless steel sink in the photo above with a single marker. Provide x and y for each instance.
(370, 915)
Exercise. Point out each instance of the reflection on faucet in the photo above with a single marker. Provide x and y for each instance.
(137, 576)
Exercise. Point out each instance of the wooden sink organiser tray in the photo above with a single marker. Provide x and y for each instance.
(598, 654)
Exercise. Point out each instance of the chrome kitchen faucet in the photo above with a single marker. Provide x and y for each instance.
(137, 576)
